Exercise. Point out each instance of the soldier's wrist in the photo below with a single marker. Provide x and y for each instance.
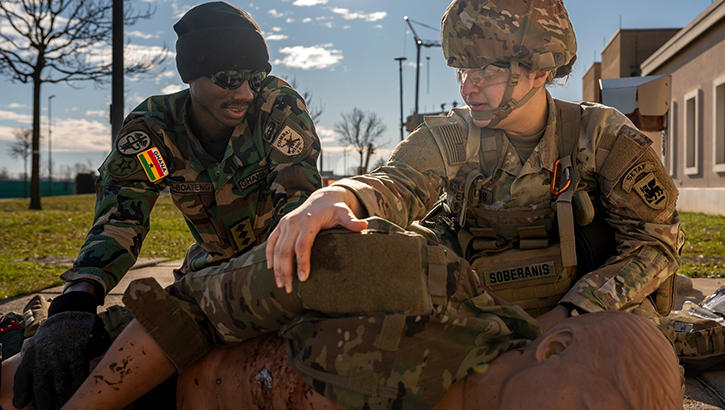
(573, 309)
(77, 301)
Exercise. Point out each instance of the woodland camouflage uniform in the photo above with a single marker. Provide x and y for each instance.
(268, 169)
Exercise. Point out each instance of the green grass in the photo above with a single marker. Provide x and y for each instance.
(59, 231)
(704, 251)
(60, 228)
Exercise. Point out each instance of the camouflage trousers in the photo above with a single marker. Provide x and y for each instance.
(226, 304)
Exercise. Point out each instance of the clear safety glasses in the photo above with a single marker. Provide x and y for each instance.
(491, 74)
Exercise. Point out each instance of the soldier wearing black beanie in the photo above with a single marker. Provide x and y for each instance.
(218, 36)
(237, 150)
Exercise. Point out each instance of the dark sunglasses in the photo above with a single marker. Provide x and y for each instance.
(231, 80)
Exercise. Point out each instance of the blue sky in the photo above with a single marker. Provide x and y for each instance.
(341, 50)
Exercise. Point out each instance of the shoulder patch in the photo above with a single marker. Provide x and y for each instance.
(631, 177)
(289, 142)
(122, 166)
(270, 129)
(646, 189)
(131, 143)
(153, 164)
(652, 192)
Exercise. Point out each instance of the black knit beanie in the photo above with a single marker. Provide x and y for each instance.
(218, 36)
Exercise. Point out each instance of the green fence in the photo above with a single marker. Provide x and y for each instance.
(17, 189)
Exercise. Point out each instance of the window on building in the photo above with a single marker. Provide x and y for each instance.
(692, 130)
(718, 142)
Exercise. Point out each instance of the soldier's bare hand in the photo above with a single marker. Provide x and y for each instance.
(292, 239)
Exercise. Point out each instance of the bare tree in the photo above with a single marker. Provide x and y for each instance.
(4, 174)
(381, 162)
(21, 148)
(58, 41)
(362, 130)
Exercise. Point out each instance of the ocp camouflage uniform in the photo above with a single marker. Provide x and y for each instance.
(618, 169)
(269, 168)
(382, 340)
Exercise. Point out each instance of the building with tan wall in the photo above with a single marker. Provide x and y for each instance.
(695, 151)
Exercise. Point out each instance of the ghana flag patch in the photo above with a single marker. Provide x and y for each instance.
(153, 163)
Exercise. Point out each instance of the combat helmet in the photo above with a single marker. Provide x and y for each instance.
(534, 33)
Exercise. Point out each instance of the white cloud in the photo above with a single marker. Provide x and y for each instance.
(348, 15)
(97, 113)
(379, 26)
(290, 20)
(327, 24)
(326, 134)
(13, 116)
(346, 27)
(6, 133)
(306, 20)
(276, 37)
(172, 88)
(142, 35)
(179, 10)
(276, 29)
(131, 52)
(308, 3)
(16, 105)
(322, 18)
(317, 57)
(274, 13)
(80, 135)
(74, 135)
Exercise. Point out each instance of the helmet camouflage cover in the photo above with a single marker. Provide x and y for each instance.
(536, 33)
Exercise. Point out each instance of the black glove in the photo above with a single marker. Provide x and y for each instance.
(55, 362)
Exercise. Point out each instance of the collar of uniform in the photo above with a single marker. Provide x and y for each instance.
(198, 155)
(548, 148)
(546, 151)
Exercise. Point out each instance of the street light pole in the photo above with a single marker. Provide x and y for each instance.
(50, 150)
(400, 64)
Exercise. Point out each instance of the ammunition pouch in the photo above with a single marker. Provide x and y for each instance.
(384, 269)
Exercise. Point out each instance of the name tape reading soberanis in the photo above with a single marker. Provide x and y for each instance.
(517, 273)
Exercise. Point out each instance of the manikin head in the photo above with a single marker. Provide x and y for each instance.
(606, 360)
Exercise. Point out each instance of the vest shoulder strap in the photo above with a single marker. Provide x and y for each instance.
(450, 133)
(568, 129)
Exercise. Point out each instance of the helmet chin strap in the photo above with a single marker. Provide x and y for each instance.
(508, 104)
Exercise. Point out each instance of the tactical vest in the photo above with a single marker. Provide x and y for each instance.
(524, 254)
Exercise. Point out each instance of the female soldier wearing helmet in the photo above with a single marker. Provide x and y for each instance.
(514, 170)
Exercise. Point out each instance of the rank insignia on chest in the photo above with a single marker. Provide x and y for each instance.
(289, 142)
(243, 235)
(131, 143)
(153, 164)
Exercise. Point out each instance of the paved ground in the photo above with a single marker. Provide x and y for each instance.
(701, 393)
